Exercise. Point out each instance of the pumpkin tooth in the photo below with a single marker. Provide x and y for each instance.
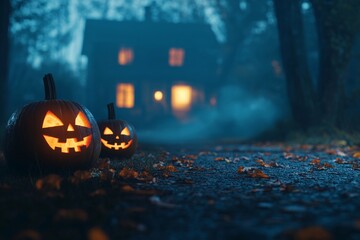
(87, 141)
(70, 143)
(64, 149)
(77, 149)
(116, 146)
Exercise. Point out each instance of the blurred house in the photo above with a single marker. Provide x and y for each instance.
(151, 70)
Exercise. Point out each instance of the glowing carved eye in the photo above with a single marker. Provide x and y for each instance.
(51, 120)
(125, 132)
(108, 131)
(81, 120)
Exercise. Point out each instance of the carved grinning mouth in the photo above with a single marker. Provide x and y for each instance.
(70, 143)
(116, 146)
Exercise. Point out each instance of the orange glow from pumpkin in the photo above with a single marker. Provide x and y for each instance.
(125, 95)
(108, 131)
(125, 132)
(51, 120)
(116, 146)
(81, 120)
(125, 56)
(53, 142)
(181, 97)
(70, 128)
(176, 57)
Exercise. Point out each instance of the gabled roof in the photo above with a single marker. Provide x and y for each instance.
(148, 34)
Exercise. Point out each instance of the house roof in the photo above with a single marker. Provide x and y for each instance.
(147, 33)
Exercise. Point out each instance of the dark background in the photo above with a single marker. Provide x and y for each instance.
(287, 70)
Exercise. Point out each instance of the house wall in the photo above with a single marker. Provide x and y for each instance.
(150, 71)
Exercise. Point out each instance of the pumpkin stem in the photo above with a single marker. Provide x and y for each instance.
(49, 85)
(111, 111)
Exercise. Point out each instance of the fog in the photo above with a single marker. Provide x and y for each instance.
(239, 116)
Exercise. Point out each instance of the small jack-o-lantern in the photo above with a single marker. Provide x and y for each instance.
(52, 134)
(118, 138)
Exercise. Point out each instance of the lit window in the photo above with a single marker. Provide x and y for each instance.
(125, 56)
(181, 97)
(176, 57)
(125, 95)
(158, 96)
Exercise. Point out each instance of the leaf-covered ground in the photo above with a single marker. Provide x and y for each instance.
(215, 192)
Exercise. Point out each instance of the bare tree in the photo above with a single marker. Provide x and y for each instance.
(238, 22)
(337, 24)
(292, 46)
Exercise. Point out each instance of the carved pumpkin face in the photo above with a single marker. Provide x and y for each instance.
(52, 134)
(117, 141)
(118, 138)
(53, 124)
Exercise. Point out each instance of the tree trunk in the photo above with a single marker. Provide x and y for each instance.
(233, 37)
(4, 58)
(238, 24)
(293, 51)
(337, 24)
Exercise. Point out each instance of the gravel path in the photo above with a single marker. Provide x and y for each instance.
(214, 192)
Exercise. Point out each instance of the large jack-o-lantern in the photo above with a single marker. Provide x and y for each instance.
(52, 134)
(118, 138)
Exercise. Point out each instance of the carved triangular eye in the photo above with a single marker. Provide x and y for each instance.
(108, 131)
(125, 132)
(51, 120)
(81, 120)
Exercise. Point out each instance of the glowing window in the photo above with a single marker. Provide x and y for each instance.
(213, 101)
(125, 56)
(125, 95)
(181, 97)
(176, 57)
(158, 96)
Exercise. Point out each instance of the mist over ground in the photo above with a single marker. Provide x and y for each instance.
(239, 116)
